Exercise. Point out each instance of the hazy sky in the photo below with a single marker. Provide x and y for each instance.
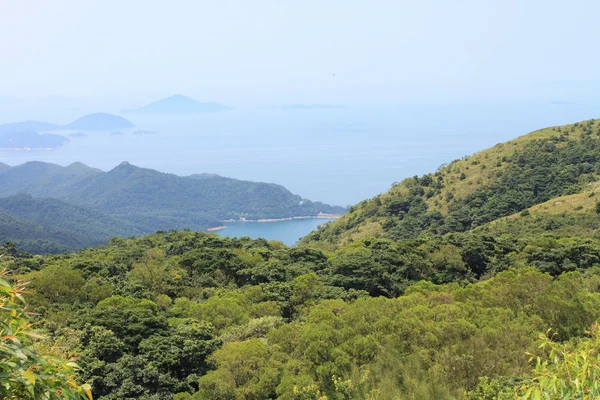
(286, 50)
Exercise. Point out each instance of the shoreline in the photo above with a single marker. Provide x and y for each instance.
(216, 228)
(266, 220)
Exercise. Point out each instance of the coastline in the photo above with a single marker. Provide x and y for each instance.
(216, 228)
(319, 216)
(322, 216)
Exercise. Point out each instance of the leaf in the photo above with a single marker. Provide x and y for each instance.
(87, 389)
(30, 377)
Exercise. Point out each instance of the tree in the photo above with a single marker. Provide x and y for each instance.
(571, 370)
(151, 271)
(244, 371)
(29, 369)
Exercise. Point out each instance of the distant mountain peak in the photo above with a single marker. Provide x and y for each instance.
(179, 104)
(179, 97)
(126, 166)
(99, 122)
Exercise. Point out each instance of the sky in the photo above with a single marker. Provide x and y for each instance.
(319, 51)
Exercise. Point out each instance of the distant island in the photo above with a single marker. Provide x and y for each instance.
(30, 140)
(178, 104)
(99, 122)
(32, 135)
(309, 106)
(117, 134)
(142, 132)
(89, 123)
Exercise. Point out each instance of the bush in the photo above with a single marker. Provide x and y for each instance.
(28, 371)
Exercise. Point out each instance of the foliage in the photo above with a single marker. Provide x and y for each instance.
(184, 312)
(29, 368)
(569, 371)
(437, 289)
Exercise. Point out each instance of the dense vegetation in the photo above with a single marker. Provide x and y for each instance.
(50, 226)
(218, 318)
(438, 289)
(467, 193)
(88, 207)
(30, 368)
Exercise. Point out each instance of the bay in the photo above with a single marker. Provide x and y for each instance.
(287, 231)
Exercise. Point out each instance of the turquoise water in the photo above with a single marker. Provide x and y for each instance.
(286, 231)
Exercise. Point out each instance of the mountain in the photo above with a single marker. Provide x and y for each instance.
(66, 226)
(4, 167)
(476, 190)
(30, 140)
(98, 122)
(179, 104)
(138, 200)
(44, 179)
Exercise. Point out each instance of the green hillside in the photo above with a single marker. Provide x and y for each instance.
(158, 200)
(36, 238)
(478, 282)
(42, 179)
(49, 225)
(89, 206)
(478, 189)
(571, 215)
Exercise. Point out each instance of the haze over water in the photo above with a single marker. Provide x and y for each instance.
(415, 95)
(339, 156)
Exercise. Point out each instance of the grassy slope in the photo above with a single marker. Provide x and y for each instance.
(459, 179)
(562, 216)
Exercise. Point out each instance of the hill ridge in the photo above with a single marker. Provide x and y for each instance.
(465, 193)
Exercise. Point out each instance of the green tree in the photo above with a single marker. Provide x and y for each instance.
(29, 369)
(570, 371)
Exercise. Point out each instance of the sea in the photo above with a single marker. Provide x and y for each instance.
(286, 231)
(336, 155)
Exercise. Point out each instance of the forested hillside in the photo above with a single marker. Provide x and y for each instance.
(130, 201)
(217, 318)
(478, 189)
(439, 289)
(156, 196)
(42, 225)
